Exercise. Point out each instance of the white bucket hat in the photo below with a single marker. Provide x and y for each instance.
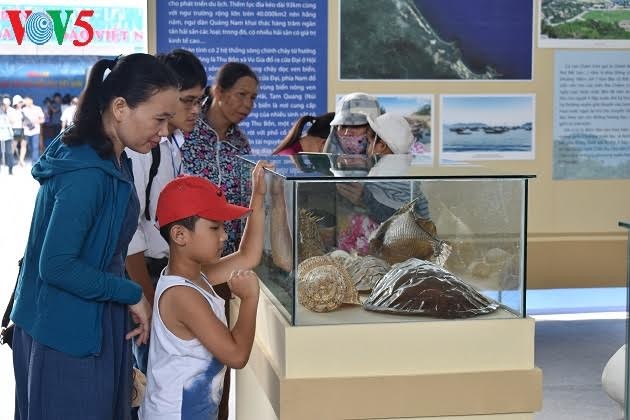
(17, 99)
(394, 130)
(354, 108)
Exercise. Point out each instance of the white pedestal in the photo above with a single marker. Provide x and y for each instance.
(454, 369)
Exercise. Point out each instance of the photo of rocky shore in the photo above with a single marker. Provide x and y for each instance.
(436, 39)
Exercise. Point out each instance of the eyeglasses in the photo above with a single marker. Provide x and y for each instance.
(192, 101)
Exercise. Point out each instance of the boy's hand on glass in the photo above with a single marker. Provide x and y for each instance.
(244, 284)
(259, 185)
(141, 315)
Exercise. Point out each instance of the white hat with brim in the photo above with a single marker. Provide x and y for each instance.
(355, 108)
(17, 99)
(394, 131)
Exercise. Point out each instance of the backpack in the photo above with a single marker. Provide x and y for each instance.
(155, 163)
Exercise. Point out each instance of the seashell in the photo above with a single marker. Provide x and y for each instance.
(310, 243)
(497, 255)
(339, 255)
(366, 271)
(481, 269)
(405, 235)
(324, 285)
(417, 287)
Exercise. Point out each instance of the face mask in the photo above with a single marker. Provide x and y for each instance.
(353, 145)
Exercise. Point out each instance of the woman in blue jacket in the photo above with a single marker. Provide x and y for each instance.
(75, 310)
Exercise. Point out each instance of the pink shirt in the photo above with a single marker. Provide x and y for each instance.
(294, 149)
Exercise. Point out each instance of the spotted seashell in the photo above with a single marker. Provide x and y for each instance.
(339, 255)
(324, 285)
(366, 271)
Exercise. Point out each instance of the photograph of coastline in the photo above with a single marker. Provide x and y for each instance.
(487, 127)
(418, 111)
(436, 39)
(584, 24)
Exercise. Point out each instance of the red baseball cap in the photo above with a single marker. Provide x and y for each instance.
(188, 195)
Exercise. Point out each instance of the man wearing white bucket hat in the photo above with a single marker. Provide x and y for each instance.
(348, 134)
(388, 133)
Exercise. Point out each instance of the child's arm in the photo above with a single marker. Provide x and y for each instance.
(186, 314)
(250, 249)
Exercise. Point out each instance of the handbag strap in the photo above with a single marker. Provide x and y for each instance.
(7, 312)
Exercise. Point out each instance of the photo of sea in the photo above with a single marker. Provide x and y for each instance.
(488, 127)
(436, 39)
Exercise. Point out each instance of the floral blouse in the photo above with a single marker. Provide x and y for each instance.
(204, 155)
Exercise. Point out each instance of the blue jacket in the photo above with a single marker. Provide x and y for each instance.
(77, 219)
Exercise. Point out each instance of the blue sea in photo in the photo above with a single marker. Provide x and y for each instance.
(497, 33)
(518, 140)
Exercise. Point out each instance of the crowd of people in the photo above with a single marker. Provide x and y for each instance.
(27, 127)
(137, 241)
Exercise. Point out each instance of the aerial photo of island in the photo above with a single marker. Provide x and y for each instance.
(584, 20)
(487, 127)
(436, 39)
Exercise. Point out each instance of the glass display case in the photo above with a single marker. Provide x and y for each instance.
(626, 354)
(354, 239)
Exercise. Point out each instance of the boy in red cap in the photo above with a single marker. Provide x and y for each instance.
(190, 342)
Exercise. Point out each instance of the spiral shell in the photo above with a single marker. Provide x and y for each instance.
(366, 271)
(324, 285)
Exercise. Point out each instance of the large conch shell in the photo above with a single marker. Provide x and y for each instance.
(418, 287)
(324, 285)
(406, 235)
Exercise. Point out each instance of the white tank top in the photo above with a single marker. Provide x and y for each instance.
(184, 380)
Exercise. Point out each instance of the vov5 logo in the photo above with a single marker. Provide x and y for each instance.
(40, 26)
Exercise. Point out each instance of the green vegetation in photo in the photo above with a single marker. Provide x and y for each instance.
(613, 16)
(587, 29)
